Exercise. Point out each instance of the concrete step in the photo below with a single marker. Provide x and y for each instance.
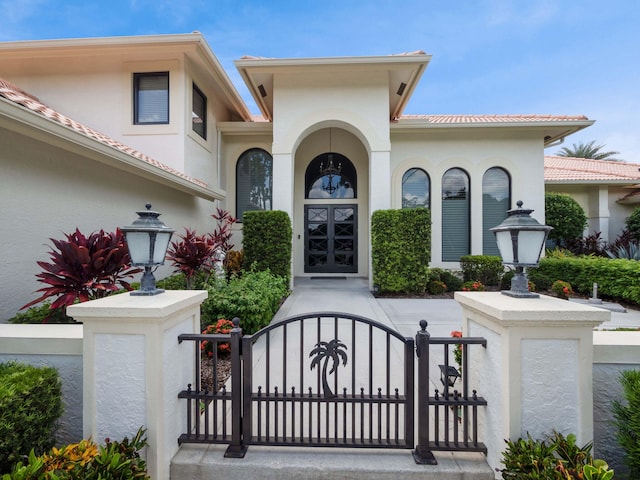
(200, 462)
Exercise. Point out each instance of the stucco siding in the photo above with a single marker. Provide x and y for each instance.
(46, 191)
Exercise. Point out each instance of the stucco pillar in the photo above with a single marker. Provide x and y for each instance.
(380, 181)
(134, 368)
(536, 371)
(283, 182)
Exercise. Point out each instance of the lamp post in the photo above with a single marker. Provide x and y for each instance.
(147, 239)
(520, 239)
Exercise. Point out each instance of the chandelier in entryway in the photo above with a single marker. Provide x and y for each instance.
(330, 171)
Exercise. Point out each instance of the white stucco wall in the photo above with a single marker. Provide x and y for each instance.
(474, 151)
(46, 191)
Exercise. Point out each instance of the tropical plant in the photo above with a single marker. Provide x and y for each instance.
(566, 217)
(328, 351)
(588, 150)
(194, 254)
(84, 268)
(588, 245)
(115, 460)
(627, 420)
(555, 458)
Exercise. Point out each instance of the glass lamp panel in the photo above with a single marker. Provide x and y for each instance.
(160, 250)
(138, 244)
(530, 246)
(505, 245)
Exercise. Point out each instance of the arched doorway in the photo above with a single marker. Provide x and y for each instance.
(331, 227)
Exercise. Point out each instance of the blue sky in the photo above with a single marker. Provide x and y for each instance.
(489, 56)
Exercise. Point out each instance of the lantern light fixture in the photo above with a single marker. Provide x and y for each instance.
(520, 239)
(147, 240)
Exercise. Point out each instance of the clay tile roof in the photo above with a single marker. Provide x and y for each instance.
(517, 118)
(18, 96)
(569, 169)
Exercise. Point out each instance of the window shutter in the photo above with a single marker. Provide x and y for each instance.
(254, 181)
(456, 218)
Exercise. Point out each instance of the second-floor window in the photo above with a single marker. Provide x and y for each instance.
(199, 112)
(151, 98)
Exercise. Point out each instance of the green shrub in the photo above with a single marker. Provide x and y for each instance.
(618, 279)
(487, 269)
(401, 249)
(266, 239)
(42, 314)
(562, 289)
(449, 278)
(436, 287)
(542, 281)
(30, 406)
(565, 215)
(87, 461)
(254, 298)
(633, 224)
(555, 458)
(627, 419)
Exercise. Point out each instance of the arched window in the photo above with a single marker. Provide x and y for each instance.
(330, 175)
(254, 181)
(416, 189)
(455, 215)
(496, 200)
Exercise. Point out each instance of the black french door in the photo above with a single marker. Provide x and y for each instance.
(331, 238)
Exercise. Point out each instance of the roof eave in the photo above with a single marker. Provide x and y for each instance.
(21, 120)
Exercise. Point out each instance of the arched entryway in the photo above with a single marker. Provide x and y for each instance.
(331, 221)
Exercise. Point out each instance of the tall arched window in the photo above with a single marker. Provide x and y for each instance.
(496, 200)
(330, 175)
(455, 215)
(416, 189)
(254, 181)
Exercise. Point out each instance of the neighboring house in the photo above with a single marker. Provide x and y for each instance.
(330, 147)
(607, 191)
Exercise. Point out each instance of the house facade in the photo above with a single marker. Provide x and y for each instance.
(93, 129)
(607, 191)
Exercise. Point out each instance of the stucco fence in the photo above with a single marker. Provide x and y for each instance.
(61, 346)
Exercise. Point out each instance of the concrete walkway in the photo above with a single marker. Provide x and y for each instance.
(351, 296)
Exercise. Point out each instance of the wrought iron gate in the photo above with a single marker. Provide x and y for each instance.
(332, 379)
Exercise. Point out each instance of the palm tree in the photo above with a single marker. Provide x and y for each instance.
(588, 150)
(328, 351)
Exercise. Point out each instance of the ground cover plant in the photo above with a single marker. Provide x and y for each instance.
(554, 458)
(30, 406)
(115, 460)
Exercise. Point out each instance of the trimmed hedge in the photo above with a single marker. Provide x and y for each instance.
(266, 240)
(401, 249)
(487, 269)
(565, 215)
(254, 298)
(30, 406)
(619, 278)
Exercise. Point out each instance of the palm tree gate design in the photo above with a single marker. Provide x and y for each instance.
(335, 380)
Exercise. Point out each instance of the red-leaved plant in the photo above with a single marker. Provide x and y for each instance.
(85, 268)
(195, 253)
